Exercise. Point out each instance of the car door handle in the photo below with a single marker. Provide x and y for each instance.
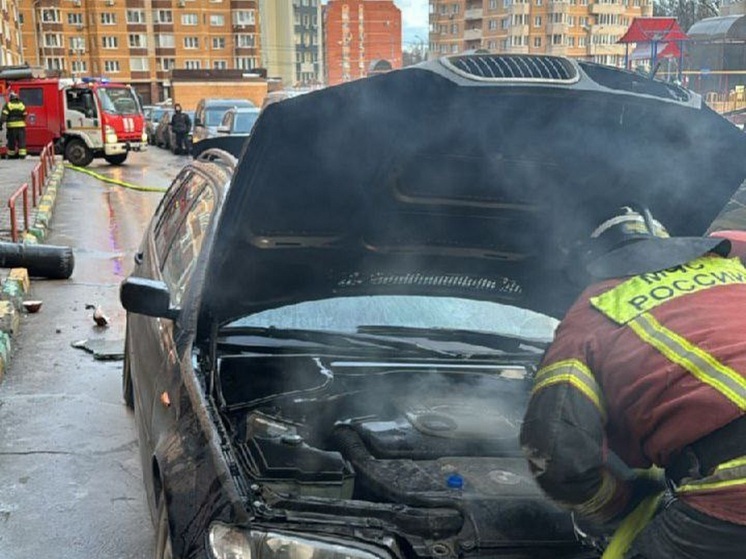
(138, 258)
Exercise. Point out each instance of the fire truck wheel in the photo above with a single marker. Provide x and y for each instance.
(117, 159)
(77, 153)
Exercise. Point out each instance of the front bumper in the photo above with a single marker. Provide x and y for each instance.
(124, 147)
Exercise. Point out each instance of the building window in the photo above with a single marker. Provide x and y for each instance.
(165, 41)
(216, 20)
(111, 66)
(50, 15)
(135, 16)
(537, 42)
(454, 8)
(54, 63)
(244, 17)
(493, 4)
(537, 21)
(218, 42)
(582, 41)
(108, 18)
(191, 42)
(192, 64)
(245, 63)
(189, 19)
(219, 65)
(75, 18)
(245, 41)
(52, 40)
(139, 64)
(77, 44)
(556, 39)
(571, 41)
(166, 64)
(79, 67)
(109, 42)
(164, 16)
(138, 40)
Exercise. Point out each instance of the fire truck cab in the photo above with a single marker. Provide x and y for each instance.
(85, 119)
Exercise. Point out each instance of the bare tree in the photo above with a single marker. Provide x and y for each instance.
(687, 12)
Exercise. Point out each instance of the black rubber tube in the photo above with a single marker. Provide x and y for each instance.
(45, 261)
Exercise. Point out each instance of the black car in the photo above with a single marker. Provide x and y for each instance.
(331, 341)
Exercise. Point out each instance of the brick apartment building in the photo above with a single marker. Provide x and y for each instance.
(587, 29)
(291, 41)
(140, 41)
(359, 33)
(11, 48)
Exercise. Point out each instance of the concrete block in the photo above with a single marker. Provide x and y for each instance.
(20, 276)
(10, 318)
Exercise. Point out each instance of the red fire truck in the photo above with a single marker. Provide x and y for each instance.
(85, 118)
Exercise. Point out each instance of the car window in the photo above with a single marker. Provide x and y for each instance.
(227, 117)
(175, 209)
(187, 242)
(213, 116)
(245, 122)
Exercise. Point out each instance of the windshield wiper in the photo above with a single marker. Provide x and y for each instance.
(500, 342)
(369, 342)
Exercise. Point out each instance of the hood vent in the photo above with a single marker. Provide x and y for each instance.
(493, 67)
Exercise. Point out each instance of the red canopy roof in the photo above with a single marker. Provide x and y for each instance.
(650, 29)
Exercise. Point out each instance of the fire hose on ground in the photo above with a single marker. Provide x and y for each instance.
(123, 184)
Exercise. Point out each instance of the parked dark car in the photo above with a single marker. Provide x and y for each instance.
(209, 113)
(330, 342)
(152, 117)
(238, 121)
(163, 128)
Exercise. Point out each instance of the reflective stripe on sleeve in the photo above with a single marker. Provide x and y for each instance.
(576, 373)
(726, 475)
(698, 362)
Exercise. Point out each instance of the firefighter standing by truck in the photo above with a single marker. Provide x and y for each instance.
(13, 116)
(648, 368)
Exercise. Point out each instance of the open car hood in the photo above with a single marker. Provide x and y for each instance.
(468, 176)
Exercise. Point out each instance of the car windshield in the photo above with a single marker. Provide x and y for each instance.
(156, 114)
(244, 122)
(379, 312)
(214, 115)
(118, 100)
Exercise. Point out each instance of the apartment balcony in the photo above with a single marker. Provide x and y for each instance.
(558, 7)
(473, 34)
(557, 50)
(517, 30)
(597, 9)
(519, 9)
(472, 14)
(557, 29)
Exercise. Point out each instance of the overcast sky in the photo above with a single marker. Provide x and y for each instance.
(414, 20)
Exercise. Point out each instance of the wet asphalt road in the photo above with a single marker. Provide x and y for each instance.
(70, 479)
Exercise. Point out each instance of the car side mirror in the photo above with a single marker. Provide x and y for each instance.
(148, 297)
(223, 130)
(197, 121)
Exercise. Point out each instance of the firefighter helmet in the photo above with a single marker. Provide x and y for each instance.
(634, 242)
(13, 96)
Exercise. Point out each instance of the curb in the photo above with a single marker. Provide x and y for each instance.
(17, 285)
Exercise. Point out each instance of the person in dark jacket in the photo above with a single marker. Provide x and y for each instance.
(181, 124)
(13, 116)
(648, 369)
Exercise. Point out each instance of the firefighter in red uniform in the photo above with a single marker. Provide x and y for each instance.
(13, 115)
(648, 368)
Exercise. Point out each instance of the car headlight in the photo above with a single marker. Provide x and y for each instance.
(111, 134)
(229, 542)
